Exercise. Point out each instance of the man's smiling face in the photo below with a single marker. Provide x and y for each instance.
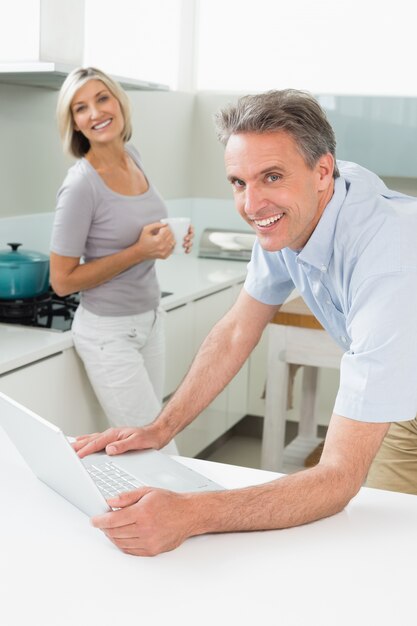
(275, 191)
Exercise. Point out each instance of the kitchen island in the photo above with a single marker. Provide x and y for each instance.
(357, 567)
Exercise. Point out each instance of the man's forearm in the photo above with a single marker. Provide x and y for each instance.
(220, 357)
(289, 501)
(299, 498)
(304, 497)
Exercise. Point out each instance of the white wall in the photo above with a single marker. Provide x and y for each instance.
(162, 123)
(32, 165)
(378, 133)
(31, 160)
(175, 133)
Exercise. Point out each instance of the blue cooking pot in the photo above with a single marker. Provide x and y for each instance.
(23, 274)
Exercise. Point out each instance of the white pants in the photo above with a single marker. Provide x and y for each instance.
(124, 358)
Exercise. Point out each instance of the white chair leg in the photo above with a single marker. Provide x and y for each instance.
(308, 408)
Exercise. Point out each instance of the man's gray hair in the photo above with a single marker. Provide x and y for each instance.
(295, 112)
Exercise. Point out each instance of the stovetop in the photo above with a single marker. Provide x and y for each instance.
(48, 311)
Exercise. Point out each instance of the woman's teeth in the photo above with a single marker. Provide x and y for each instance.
(268, 220)
(101, 125)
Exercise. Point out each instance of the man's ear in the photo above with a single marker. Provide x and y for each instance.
(325, 167)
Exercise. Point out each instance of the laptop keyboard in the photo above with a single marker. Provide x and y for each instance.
(111, 479)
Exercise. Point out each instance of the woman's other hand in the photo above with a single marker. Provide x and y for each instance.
(188, 240)
(156, 241)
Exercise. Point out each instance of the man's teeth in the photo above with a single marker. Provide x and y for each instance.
(268, 220)
(102, 125)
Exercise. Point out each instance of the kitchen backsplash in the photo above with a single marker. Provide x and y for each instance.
(34, 231)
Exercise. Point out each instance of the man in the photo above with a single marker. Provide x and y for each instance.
(348, 244)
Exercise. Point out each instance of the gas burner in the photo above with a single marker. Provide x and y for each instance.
(46, 311)
(64, 307)
(25, 310)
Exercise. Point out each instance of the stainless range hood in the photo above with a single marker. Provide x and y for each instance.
(61, 49)
(51, 75)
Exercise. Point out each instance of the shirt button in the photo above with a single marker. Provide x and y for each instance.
(328, 302)
(343, 338)
(323, 268)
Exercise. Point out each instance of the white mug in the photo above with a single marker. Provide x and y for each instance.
(179, 227)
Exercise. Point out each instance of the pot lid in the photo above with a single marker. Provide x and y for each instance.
(21, 256)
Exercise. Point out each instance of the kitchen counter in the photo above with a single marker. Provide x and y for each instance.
(20, 345)
(186, 276)
(190, 278)
(357, 567)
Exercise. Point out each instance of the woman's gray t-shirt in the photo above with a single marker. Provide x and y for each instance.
(92, 221)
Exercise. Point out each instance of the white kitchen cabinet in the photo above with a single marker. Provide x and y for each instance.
(212, 422)
(230, 405)
(237, 399)
(179, 345)
(257, 377)
(57, 388)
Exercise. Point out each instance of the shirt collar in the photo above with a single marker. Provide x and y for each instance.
(319, 248)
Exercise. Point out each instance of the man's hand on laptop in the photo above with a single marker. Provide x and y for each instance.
(119, 440)
(148, 521)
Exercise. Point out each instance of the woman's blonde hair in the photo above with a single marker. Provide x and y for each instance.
(73, 141)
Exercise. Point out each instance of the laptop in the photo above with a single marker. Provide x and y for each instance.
(87, 482)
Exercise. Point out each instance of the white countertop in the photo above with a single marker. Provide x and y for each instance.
(186, 276)
(357, 567)
(20, 345)
(189, 277)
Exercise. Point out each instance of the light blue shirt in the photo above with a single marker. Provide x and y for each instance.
(358, 275)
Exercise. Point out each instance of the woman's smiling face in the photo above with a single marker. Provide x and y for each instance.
(96, 113)
(275, 191)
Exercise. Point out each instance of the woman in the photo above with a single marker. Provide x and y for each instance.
(108, 215)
